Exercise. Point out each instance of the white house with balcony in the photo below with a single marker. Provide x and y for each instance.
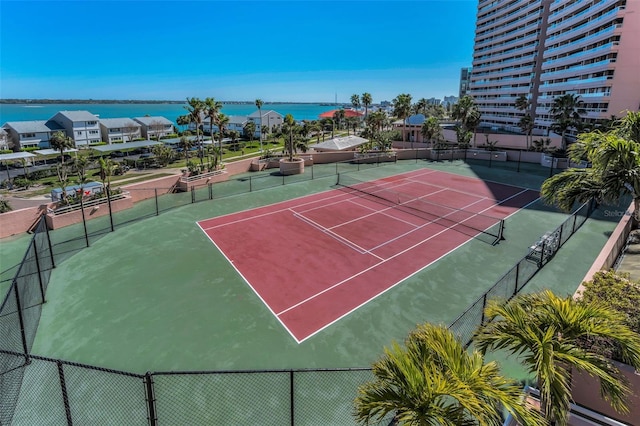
(119, 130)
(30, 134)
(82, 126)
(270, 118)
(154, 127)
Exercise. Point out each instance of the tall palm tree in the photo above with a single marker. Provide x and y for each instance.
(61, 142)
(402, 109)
(421, 106)
(106, 171)
(291, 132)
(211, 110)
(186, 144)
(221, 121)
(433, 380)
(259, 104)
(183, 120)
(196, 107)
(431, 130)
(615, 170)
(249, 130)
(467, 114)
(526, 122)
(355, 101)
(566, 111)
(366, 103)
(544, 331)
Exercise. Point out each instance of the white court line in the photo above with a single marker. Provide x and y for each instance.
(249, 284)
(339, 195)
(371, 267)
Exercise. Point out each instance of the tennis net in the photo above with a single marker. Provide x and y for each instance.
(484, 227)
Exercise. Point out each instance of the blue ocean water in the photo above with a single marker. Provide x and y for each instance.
(23, 112)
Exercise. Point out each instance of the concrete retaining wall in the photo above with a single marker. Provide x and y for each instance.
(19, 221)
(66, 219)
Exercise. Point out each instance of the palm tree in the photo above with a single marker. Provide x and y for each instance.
(222, 121)
(106, 171)
(421, 106)
(196, 108)
(291, 132)
(259, 104)
(615, 170)
(545, 331)
(431, 129)
(264, 130)
(211, 110)
(566, 111)
(249, 130)
(467, 114)
(526, 122)
(366, 103)
(526, 125)
(186, 144)
(183, 120)
(355, 101)
(402, 109)
(433, 380)
(61, 142)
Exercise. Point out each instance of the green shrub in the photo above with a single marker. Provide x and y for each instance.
(21, 182)
(619, 292)
(5, 206)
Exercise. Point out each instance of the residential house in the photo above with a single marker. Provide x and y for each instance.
(81, 126)
(270, 118)
(117, 130)
(154, 127)
(4, 139)
(31, 134)
(412, 126)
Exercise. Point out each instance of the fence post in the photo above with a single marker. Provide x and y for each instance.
(151, 400)
(65, 396)
(519, 157)
(210, 185)
(193, 194)
(542, 254)
(46, 228)
(84, 220)
(484, 305)
(155, 193)
(291, 397)
(109, 205)
(515, 290)
(25, 347)
(35, 251)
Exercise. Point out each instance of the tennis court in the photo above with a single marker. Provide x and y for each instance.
(340, 249)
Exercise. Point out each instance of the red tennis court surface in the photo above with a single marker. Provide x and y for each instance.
(315, 259)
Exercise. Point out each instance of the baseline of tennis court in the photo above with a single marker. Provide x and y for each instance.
(340, 249)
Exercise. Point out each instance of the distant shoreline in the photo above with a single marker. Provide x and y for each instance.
(130, 101)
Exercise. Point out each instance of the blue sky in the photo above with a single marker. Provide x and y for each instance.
(297, 51)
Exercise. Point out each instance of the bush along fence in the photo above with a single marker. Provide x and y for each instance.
(39, 390)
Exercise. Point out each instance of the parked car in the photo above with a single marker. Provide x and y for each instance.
(116, 154)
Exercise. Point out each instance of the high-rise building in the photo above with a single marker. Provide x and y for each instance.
(465, 75)
(543, 49)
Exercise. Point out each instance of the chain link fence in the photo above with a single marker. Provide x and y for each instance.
(38, 390)
(517, 277)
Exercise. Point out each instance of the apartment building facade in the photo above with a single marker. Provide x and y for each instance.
(544, 49)
(30, 134)
(81, 126)
(117, 130)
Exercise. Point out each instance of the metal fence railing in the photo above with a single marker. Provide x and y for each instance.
(38, 390)
(517, 277)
